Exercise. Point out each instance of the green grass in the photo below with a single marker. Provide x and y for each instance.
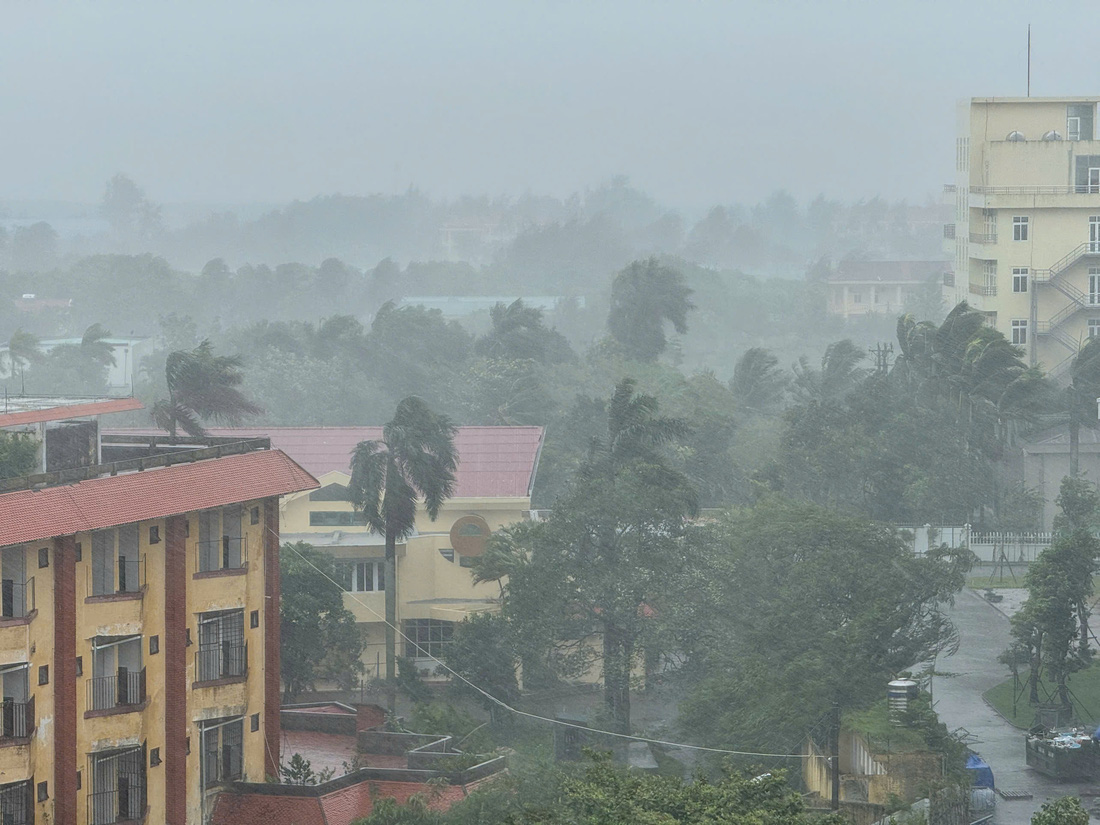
(1084, 687)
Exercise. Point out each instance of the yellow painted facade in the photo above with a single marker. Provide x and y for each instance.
(1027, 221)
(120, 623)
(433, 586)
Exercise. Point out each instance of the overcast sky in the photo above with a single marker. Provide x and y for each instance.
(698, 103)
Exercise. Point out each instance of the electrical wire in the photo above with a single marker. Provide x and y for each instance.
(502, 704)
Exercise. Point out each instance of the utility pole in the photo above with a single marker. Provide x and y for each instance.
(882, 353)
(834, 746)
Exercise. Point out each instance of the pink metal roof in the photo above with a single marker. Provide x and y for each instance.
(63, 412)
(30, 515)
(493, 462)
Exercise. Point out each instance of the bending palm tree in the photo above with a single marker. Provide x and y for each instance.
(416, 458)
(202, 385)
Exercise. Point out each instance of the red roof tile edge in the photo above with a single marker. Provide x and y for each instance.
(64, 412)
(33, 515)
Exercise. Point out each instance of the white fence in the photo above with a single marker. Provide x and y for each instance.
(988, 547)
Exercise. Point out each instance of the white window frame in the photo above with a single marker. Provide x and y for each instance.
(1019, 332)
(857, 296)
(1021, 228)
(1094, 327)
(367, 575)
(1073, 128)
(1019, 279)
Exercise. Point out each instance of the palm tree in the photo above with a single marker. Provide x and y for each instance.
(758, 384)
(643, 297)
(1079, 399)
(23, 349)
(840, 373)
(202, 385)
(94, 346)
(415, 459)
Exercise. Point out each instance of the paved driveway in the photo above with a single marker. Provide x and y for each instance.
(984, 634)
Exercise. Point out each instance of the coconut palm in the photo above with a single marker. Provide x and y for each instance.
(643, 297)
(202, 385)
(1079, 402)
(840, 373)
(23, 349)
(758, 384)
(416, 459)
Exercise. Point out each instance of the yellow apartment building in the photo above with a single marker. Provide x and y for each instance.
(139, 634)
(496, 471)
(1026, 237)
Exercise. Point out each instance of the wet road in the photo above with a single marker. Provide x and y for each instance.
(984, 633)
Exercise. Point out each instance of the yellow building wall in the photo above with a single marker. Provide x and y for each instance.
(423, 573)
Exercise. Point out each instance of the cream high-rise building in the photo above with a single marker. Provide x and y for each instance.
(1027, 221)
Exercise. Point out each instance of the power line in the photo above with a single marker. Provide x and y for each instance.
(501, 703)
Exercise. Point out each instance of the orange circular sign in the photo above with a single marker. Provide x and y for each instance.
(470, 535)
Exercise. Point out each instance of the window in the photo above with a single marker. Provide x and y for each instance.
(154, 534)
(118, 675)
(857, 297)
(1086, 174)
(990, 270)
(220, 539)
(427, 637)
(117, 566)
(254, 722)
(1094, 327)
(44, 557)
(43, 791)
(361, 575)
(16, 590)
(17, 803)
(1019, 332)
(254, 619)
(17, 710)
(254, 515)
(222, 653)
(43, 674)
(448, 553)
(1019, 228)
(154, 645)
(991, 227)
(1019, 279)
(117, 781)
(1079, 121)
(222, 751)
(154, 757)
(336, 518)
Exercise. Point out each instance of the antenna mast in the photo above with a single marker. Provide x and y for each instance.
(1029, 60)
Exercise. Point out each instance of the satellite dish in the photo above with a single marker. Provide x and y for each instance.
(470, 536)
(1016, 137)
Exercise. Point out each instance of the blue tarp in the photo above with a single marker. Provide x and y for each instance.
(980, 772)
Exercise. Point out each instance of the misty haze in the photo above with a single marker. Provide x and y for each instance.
(511, 413)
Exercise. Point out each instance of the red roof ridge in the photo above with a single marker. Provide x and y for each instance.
(65, 411)
(33, 515)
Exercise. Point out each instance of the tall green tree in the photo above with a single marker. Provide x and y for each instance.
(600, 570)
(801, 608)
(416, 459)
(519, 333)
(645, 296)
(320, 638)
(758, 384)
(1079, 398)
(202, 385)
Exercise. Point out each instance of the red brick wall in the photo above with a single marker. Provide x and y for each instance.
(264, 809)
(272, 684)
(175, 670)
(64, 678)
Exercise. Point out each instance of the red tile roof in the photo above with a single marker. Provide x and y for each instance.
(30, 515)
(63, 412)
(493, 462)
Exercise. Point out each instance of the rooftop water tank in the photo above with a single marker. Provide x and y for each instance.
(899, 694)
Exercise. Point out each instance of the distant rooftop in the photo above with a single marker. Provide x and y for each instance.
(494, 462)
(894, 272)
(18, 410)
(459, 305)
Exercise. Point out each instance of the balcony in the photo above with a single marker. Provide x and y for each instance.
(983, 237)
(17, 803)
(221, 557)
(987, 291)
(123, 805)
(221, 663)
(123, 578)
(17, 722)
(16, 601)
(948, 280)
(122, 693)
